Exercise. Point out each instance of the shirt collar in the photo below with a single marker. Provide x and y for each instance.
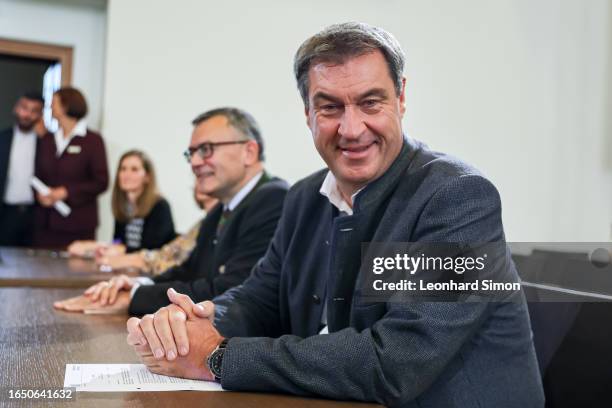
(329, 189)
(243, 192)
(80, 129)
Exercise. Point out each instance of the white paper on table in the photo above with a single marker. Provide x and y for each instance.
(42, 189)
(127, 378)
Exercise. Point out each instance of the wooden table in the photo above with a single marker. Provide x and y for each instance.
(36, 343)
(50, 269)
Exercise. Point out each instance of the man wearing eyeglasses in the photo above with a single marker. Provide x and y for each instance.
(226, 154)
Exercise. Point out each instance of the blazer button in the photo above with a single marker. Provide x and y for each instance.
(316, 299)
(222, 269)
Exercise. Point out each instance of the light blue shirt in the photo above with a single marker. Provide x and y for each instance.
(244, 191)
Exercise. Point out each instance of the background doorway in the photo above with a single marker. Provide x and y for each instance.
(27, 66)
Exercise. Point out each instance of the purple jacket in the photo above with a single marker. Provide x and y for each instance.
(82, 169)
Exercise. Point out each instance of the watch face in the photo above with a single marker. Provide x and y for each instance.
(216, 359)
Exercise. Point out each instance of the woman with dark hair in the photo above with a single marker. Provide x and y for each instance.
(72, 163)
(143, 219)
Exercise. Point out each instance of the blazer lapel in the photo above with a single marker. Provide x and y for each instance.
(369, 206)
(6, 140)
(228, 220)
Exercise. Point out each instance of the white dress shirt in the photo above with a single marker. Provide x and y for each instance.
(20, 168)
(244, 191)
(330, 189)
(61, 142)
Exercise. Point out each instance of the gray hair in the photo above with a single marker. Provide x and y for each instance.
(243, 121)
(339, 42)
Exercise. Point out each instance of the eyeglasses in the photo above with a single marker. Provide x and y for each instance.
(206, 150)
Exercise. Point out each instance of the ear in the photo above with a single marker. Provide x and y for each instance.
(252, 152)
(402, 97)
(307, 114)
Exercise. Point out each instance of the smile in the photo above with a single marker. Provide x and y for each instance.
(357, 152)
(203, 174)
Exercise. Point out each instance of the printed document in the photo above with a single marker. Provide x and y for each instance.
(127, 378)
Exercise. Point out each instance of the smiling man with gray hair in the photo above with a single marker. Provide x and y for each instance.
(302, 323)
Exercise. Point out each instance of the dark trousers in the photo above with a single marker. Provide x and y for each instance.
(16, 225)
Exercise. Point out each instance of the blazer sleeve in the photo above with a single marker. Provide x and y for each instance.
(159, 226)
(6, 137)
(86, 191)
(149, 298)
(394, 360)
(254, 236)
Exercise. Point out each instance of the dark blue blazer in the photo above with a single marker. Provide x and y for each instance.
(408, 354)
(6, 140)
(220, 261)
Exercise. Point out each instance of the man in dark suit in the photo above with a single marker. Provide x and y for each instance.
(302, 323)
(17, 160)
(226, 155)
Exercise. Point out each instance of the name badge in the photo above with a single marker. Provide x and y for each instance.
(74, 149)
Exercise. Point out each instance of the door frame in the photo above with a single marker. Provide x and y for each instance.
(30, 49)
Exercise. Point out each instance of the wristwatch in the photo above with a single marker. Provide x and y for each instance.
(215, 360)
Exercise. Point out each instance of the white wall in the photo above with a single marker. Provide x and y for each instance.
(520, 88)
